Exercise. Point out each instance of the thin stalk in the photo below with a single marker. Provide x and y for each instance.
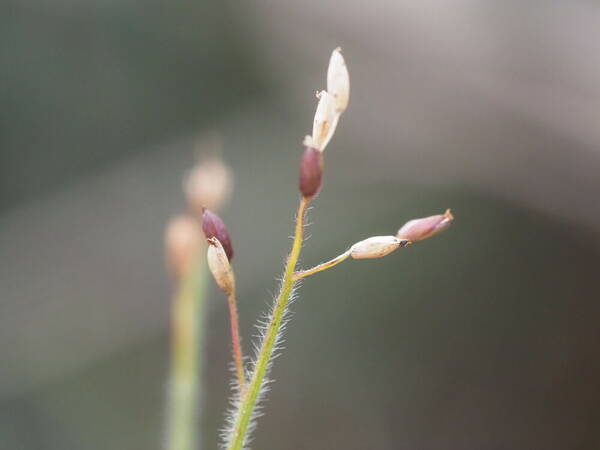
(235, 342)
(245, 410)
(187, 314)
(324, 266)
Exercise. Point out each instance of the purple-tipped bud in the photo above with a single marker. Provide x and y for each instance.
(311, 172)
(419, 229)
(213, 227)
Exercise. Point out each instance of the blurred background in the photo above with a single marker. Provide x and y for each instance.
(485, 337)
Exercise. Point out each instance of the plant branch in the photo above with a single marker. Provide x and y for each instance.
(236, 343)
(244, 413)
(324, 266)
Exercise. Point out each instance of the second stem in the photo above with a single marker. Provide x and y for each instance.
(248, 401)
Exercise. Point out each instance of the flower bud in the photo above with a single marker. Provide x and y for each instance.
(207, 185)
(338, 81)
(419, 229)
(219, 266)
(182, 244)
(376, 247)
(213, 227)
(325, 121)
(311, 172)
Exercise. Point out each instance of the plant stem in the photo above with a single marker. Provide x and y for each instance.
(324, 266)
(248, 402)
(235, 341)
(187, 314)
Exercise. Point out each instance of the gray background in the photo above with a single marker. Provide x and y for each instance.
(485, 337)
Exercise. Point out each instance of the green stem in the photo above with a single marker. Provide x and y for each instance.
(245, 410)
(186, 342)
(321, 267)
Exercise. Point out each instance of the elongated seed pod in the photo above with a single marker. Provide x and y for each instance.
(219, 266)
(338, 81)
(376, 247)
(325, 121)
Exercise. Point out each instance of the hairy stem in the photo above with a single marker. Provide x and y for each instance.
(236, 343)
(247, 404)
(186, 341)
(324, 266)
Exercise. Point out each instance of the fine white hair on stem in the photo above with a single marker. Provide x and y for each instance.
(227, 434)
